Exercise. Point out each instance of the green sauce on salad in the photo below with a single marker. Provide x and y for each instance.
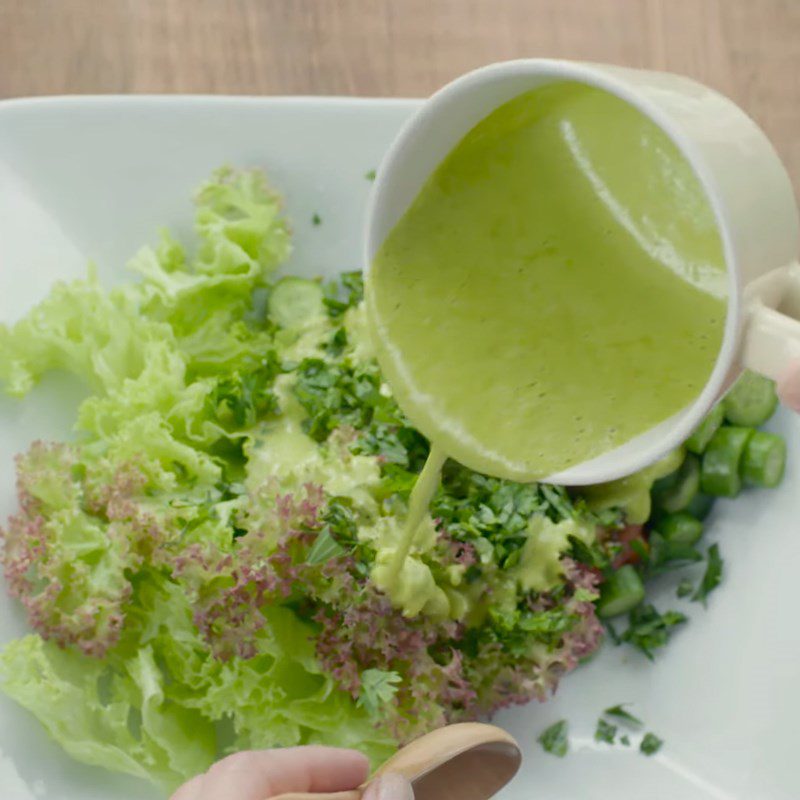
(556, 288)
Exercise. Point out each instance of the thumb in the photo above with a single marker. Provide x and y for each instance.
(389, 787)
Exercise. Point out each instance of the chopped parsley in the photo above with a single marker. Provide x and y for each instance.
(554, 739)
(649, 629)
(685, 588)
(493, 514)
(316, 219)
(371, 174)
(243, 398)
(335, 394)
(514, 628)
(340, 520)
(605, 731)
(378, 688)
(650, 744)
(712, 576)
(619, 712)
(592, 555)
(344, 293)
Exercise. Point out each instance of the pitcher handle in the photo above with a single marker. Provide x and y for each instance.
(771, 344)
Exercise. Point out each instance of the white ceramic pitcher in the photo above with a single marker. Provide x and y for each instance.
(746, 183)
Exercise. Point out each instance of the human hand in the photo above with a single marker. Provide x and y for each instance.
(261, 774)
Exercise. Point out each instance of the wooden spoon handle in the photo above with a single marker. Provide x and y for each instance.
(353, 794)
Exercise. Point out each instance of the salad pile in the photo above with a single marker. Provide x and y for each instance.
(199, 564)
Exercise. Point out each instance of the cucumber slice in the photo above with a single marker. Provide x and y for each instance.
(764, 460)
(622, 591)
(751, 401)
(701, 506)
(699, 440)
(294, 302)
(719, 473)
(680, 528)
(676, 491)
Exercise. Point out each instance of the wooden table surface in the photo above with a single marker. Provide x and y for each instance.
(748, 49)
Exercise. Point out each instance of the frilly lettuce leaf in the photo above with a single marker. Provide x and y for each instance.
(154, 705)
(181, 367)
(243, 237)
(114, 716)
(186, 313)
(83, 329)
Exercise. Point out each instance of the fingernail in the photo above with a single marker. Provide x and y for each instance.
(389, 787)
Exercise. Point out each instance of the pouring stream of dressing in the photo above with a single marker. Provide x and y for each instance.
(421, 496)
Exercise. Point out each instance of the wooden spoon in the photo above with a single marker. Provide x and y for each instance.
(467, 761)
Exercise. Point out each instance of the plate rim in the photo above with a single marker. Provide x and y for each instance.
(157, 100)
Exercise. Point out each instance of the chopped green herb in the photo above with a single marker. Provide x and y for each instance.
(605, 732)
(514, 628)
(650, 744)
(649, 629)
(592, 555)
(243, 398)
(370, 175)
(344, 293)
(340, 520)
(685, 588)
(625, 741)
(378, 688)
(492, 512)
(336, 344)
(554, 739)
(397, 480)
(712, 576)
(619, 712)
(316, 219)
(335, 395)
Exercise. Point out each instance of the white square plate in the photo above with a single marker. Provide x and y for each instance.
(93, 178)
